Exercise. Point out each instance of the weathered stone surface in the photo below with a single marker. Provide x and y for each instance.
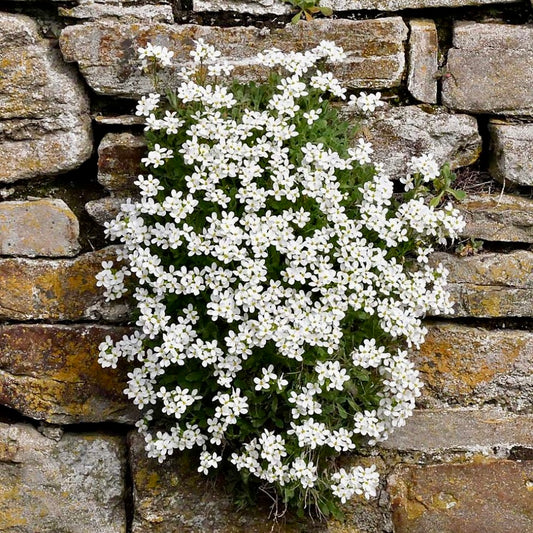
(499, 218)
(397, 5)
(254, 7)
(490, 69)
(277, 7)
(493, 496)
(118, 120)
(104, 209)
(38, 228)
(490, 284)
(56, 289)
(74, 484)
(106, 50)
(437, 431)
(511, 154)
(466, 365)
(51, 372)
(45, 126)
(399, 133)
(423, 62)
(173, 496)
(119, 161)
(159, 11)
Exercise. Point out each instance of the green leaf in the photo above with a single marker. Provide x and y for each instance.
(296, 18)
(458, 195)
(326, 11)
(342, 412)
(434, 202)
(324, 508)
(336, 511)
(288, 493)
(362, 375)
(198, 375)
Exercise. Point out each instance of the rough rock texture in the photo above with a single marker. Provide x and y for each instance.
(277, 7)
(56, 289)
(466, 365)
(511, 156)
(104, 209)
(490, 69)
(43, 107)
(397, 5)
(254, 7)
(73, 484)
(491, 284)
(51, 372)
(422, 61)
(500, 218)
(399, 133)
(175, 497)
(488, 496)
(118, 120)
(119, 161)
(106, 50)
(38, 228)
(160, 11)
(438, 431)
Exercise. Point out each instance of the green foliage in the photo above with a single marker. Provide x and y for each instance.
(443, 186)
(319, 357)
(308, 9)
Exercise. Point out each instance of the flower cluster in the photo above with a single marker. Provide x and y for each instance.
(277, 277)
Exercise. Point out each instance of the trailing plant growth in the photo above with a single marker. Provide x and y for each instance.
(278, 277)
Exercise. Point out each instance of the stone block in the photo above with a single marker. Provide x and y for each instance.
(119, 161)
(159, 11)
(277, 7)
(441, 431)
(106, 50)
(43, 106)
(73, 484)
(511, 154)
(173, 496)
(104, 209)
(462, 365)
(399, 133)
(397, 5)
(423, 60)
(38, 228)
(490, 284)
(490, 69)
(51, 372)
(56, 289)
(488, 496)
(254, 7)
(498, 217)
(118, 120)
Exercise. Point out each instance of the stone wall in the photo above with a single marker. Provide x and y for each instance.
(458, 77)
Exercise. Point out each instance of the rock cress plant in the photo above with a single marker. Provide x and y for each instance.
(278, 277)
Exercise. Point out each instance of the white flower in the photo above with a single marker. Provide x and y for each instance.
(312, 115)
(147, 104)
(250, 258)
(366, 102)
(157, 156)
(161, 54)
